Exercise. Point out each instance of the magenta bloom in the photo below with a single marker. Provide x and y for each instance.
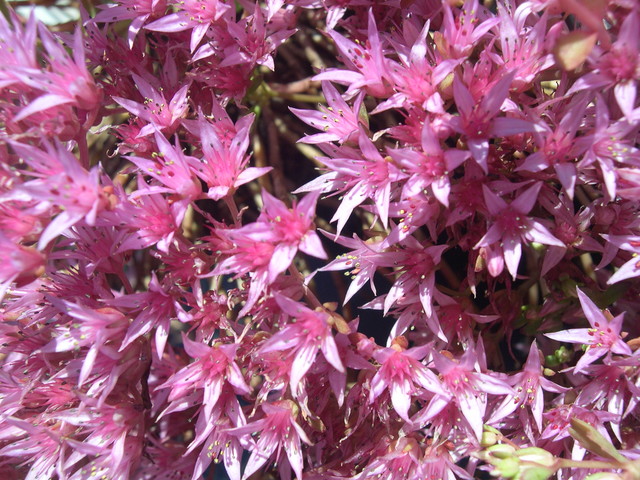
(429, 167)
(631, 268)
(304, 335)
(479, 121)
(223, 165)
(170, 167)
(339, 122)
(404, 376)
(68, 189)
(68, 82)
(194, 15)
(510, 227)
(18, 263)
(466, 388)
(528, 395)
(618, 67)
(155, 109)
(278, 430)
(266, 248)
(368, 66)
(603, 338)
(138, 11)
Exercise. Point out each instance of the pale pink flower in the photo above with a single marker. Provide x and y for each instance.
(161, 114)
(194, 15)
(169, 166)
(460, 34)
(338, 121)
(223, 165)
(603, 338)
(466, 388)
(528, 386)
(138, 11)
(18, 264)
(278, 430)
(631, 268)
(430, 167)
(367, 64)
(305, 333)
(68, 81)
(510, 227)
(479, 121)
(404, 376)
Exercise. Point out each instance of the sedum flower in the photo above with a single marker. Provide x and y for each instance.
(278, 431)
(603, 338)
(305, 333)
(479, 121)
(138, 11)
(631, 268)
(156, 110)
(528, 386)
(403, 375)
(511, 226)
(67, 82)
(223, 163)
(368, 68)
(265, 249)
(429, 167)
(194, 15)
(338, 121)
(466, 389)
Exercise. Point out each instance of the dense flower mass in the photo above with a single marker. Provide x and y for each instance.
(325, 240)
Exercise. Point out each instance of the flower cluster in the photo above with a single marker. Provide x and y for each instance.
(169, 308)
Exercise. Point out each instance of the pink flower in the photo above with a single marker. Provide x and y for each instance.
(266, 248)
(307, 331)
(169, 166)
(278, 430)
(460, 34)
(70, 189)
(153, 309)
(558, 147)
(18, 264)
(603, 338)
(68, 82)
(510, 227)
(617, 67)
(362, 261)
(478, 121)
(362, 179)
(631, 268)
(223, 163)
(528, 386)
(22, 53)
(610, 389)
(367, 64)
(138, 11)
(466, 388)
(151, 219)
(161, 114)
(205, 381)
(253, 45)
(403, 375)
(609, 147)
(339, 122)
(416, 274)
(194, 15)
(429, 167)
(418, 75)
